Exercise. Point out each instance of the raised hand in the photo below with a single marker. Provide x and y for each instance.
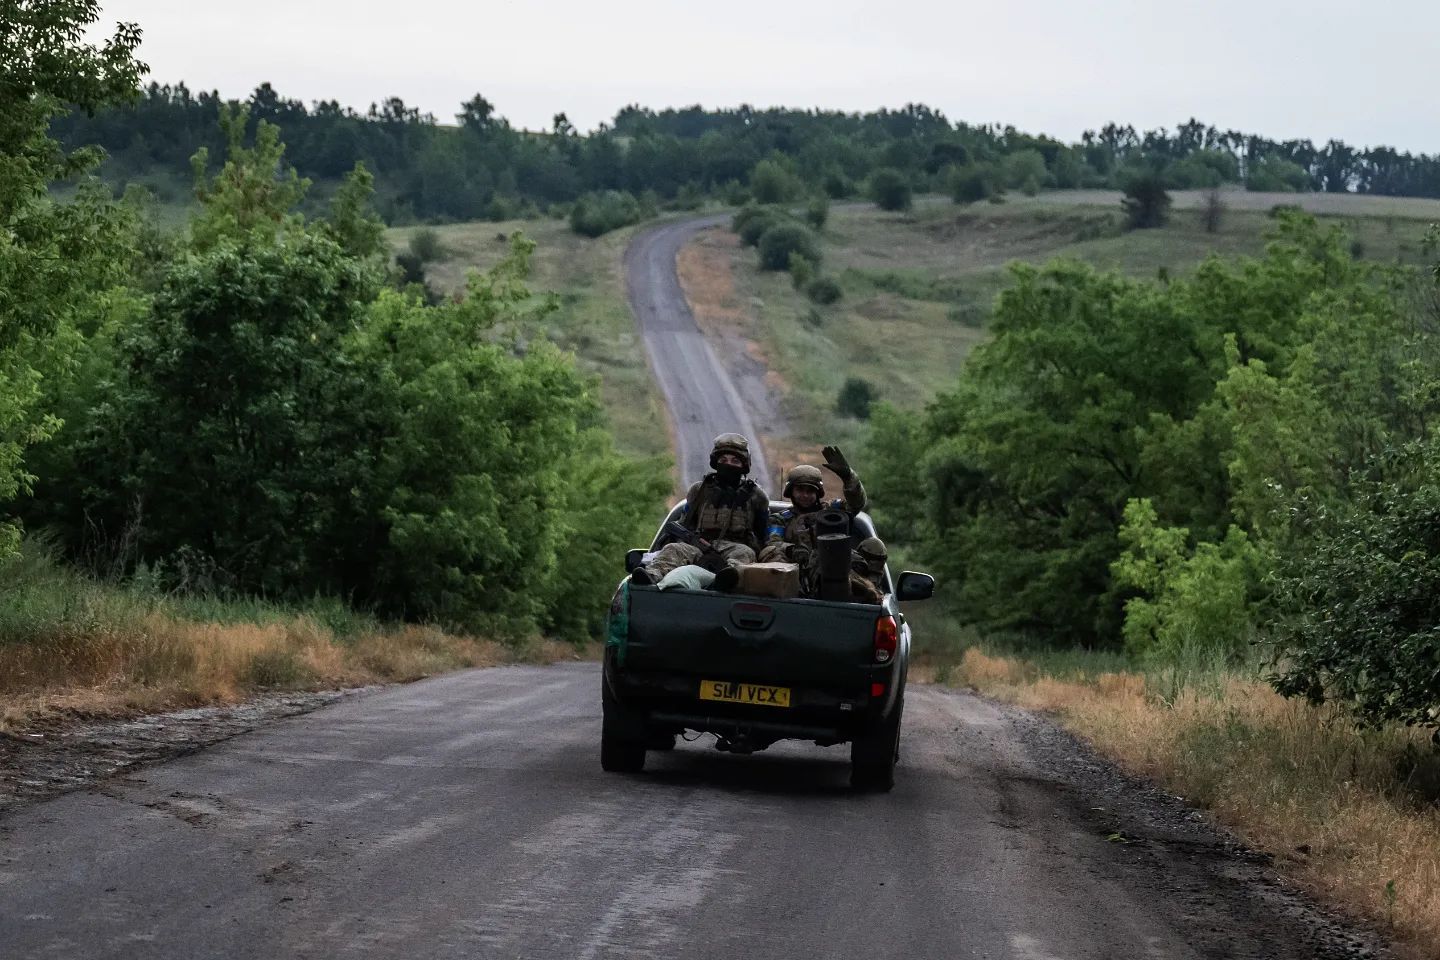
(836, 463)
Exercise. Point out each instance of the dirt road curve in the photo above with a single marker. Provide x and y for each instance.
(467, 817)
(702, 399)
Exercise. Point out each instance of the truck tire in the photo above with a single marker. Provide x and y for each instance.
(873, 756)
(618, 752)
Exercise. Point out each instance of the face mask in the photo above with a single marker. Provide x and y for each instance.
(728, 475)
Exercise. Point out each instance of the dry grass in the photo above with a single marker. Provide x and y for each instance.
(1352, 815)
(158, 662)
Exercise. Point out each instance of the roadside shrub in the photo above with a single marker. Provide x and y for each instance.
(1365, 596)
(783, 240)
(824, 291)
(890, 189)
(855, 398)
(596, 214)
(751, 222)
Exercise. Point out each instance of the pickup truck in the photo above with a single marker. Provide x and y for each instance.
(754, 670)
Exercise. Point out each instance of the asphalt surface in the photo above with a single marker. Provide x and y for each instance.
(702, 398)
(466, 816)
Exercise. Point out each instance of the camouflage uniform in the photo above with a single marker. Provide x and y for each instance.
(792, 527)
(867, 571)
(733, 516)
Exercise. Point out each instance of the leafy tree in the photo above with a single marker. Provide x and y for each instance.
(771, 182)
(784, 240)
(1146, 202)
(56, 259)
(597, 214)
(973, 182)
(890, 189)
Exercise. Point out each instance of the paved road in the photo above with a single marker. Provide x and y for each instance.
(702, 399)
(467, 817)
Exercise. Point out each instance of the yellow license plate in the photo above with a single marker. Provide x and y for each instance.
(752, 693)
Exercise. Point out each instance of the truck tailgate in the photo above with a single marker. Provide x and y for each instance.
(714, 636)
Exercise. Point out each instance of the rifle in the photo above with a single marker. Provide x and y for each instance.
(683, 534)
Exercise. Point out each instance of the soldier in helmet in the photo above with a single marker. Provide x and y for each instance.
(867, 571)
(724, 508)
(790, 536)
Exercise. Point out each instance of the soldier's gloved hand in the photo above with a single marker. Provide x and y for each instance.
(713, 561)
(800, 554)
(837, 463)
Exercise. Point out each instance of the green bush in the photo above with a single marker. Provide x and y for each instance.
(890, 189)
(596, 214)
(772, 182)
(425, 246)
(802, 271)
(751, 222)
(818, 212)
(855, 398)
(1363, 596)
(824, 291)
(1146, 202)
(973, 183)
(784, 240)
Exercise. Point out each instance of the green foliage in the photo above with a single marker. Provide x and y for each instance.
(1365, 596)
(353, 223)
(425, 246)
(802, 271)
(855, 398)
(1274, 174)
(750, 222)
(824, 291)
(817, 212)
(772, 182)
(1025, 166)
(1195, 604)
(1146, 202)
(1214, 398)
(255, 192)
(58, 261)
(596, 214)
(890, 189)
(974, 182)
(782, 241)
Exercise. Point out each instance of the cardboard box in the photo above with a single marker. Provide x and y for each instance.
(778, 580)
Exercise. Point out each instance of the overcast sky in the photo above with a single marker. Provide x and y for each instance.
(1364, 73)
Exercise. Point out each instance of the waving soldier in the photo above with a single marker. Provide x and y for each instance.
(790, 535)
(724, 509)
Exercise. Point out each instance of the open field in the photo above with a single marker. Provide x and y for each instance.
(593, 320)
(919, 286)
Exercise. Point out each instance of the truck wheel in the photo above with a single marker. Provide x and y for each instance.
(873, 756)
(618, 753)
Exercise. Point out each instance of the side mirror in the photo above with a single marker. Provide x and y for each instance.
(914, 586)
(634, 558)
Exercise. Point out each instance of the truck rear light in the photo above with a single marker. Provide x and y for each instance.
(887, 637)
(877, 690)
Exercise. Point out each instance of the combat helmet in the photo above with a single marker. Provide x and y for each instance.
(805, 475)
(730, 443)
(872, 551)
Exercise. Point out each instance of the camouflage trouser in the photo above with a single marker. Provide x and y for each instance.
(677, 554)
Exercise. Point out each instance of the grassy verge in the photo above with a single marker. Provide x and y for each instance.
(1351, 815)
(75, 646)
(594, 319)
